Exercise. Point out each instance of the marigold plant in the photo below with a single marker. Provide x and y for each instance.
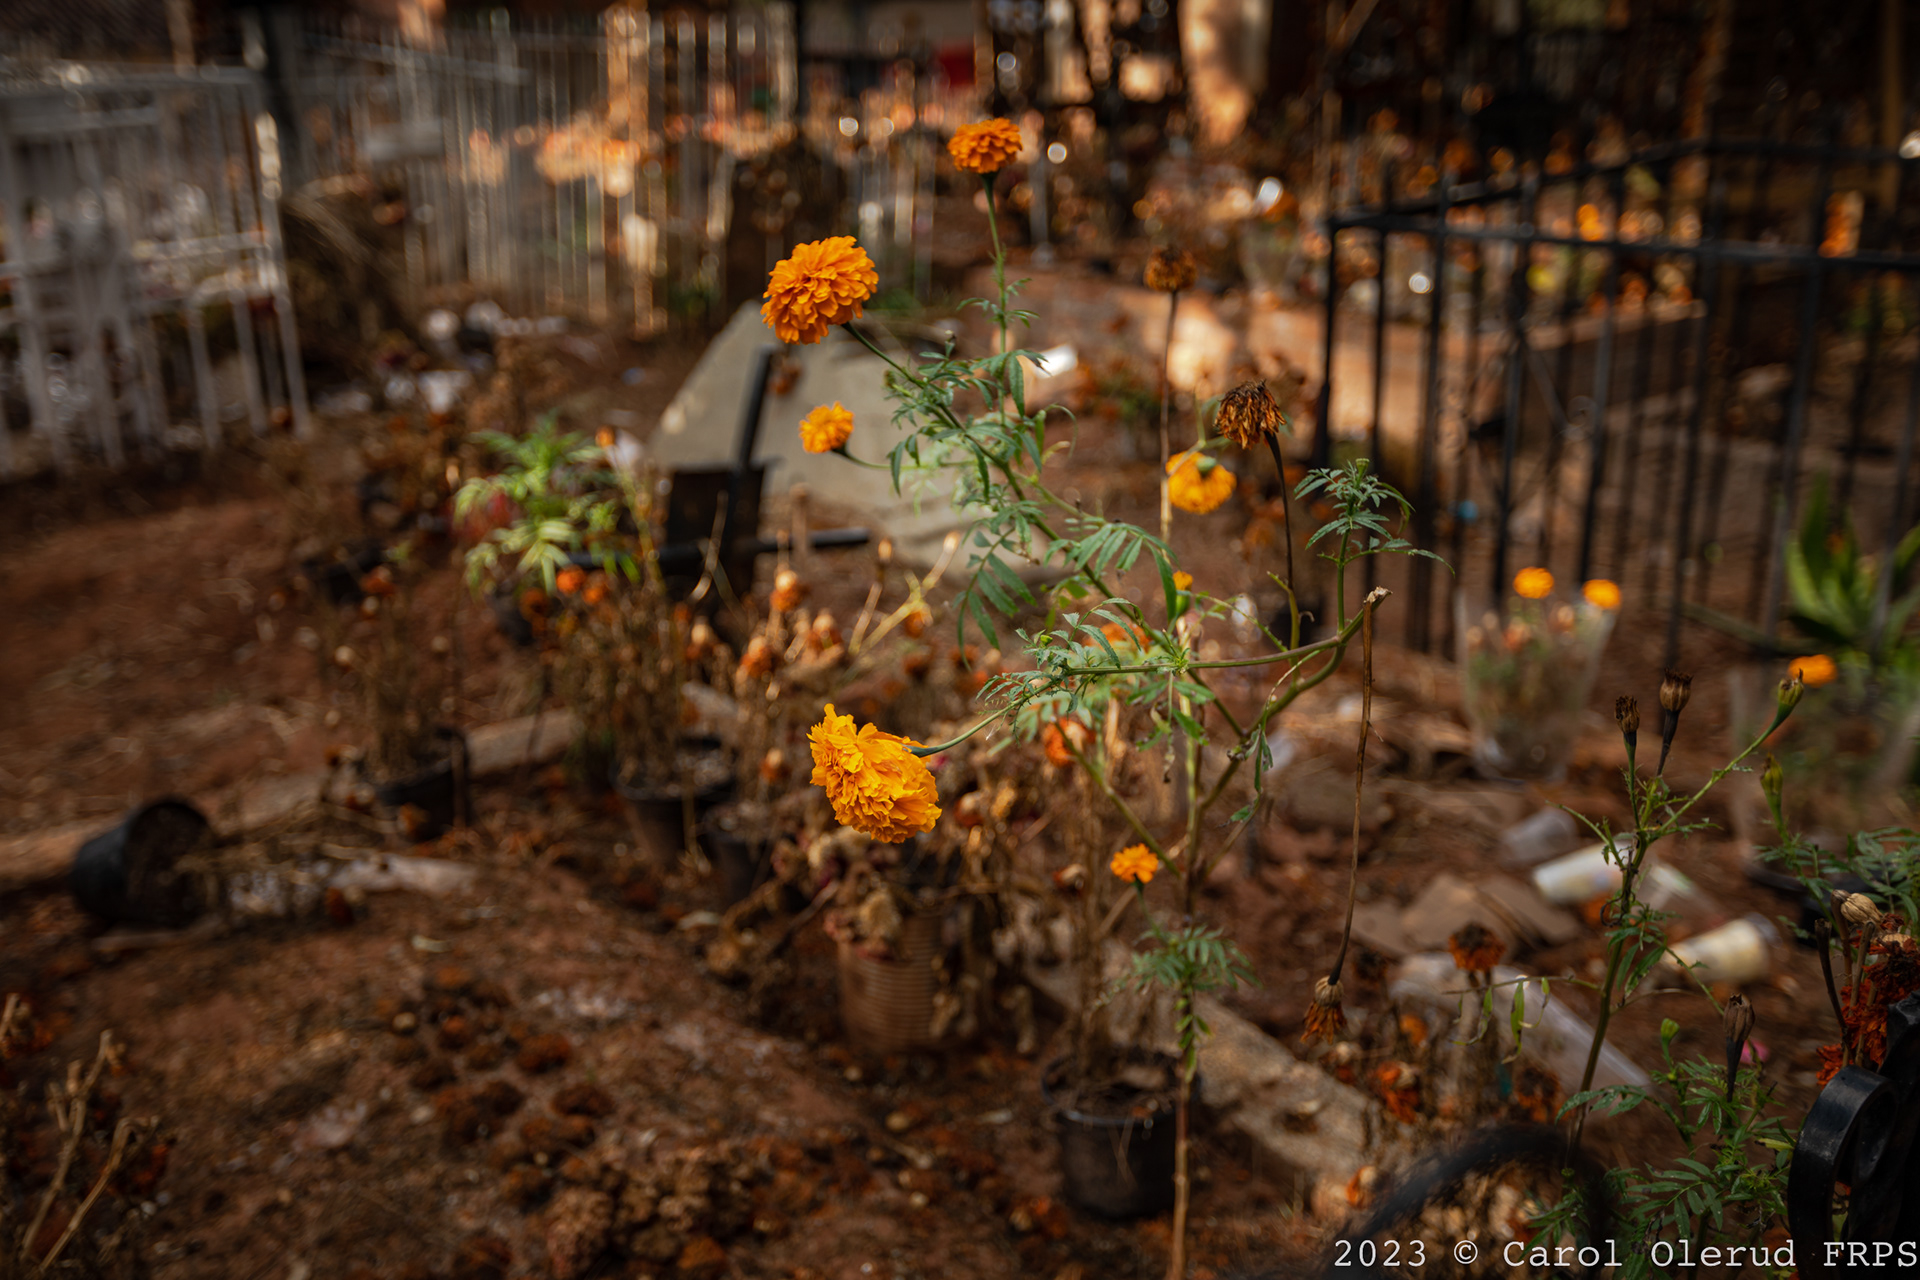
(1197, 483)
(1533, 583)
(1135, 864)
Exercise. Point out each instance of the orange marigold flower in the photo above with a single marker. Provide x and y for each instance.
(1054, 743)
(1182, 579)
(1171, 270)
(1814, 670)
(569, 580)
(1135, 864)
(826, 428)
(596, 588)
(1533, 583)
(916, 621)
(1197, 483)
(985, 147)
(823, 284)
(1476, 949)
(875, 782)
(1602, 593)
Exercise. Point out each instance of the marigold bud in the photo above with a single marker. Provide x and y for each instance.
(1790, 691)
(1328, 994)
(1675, 689)
(1739, 1020)
(1771, 780)
(1626, 714)
(1858, 910)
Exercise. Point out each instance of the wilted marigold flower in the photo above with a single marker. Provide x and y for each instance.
(1814, 670)
(1248, 415)
(788, 591)
(986, 147)
(1171, 270)
(1325, 1018)
(1476, 949)
(773, 766)
(700, 641)
(823, 634)
(1135, 864)
(758, 659)
(915, 623)
(569, 580)
(876, 784)
(1534, 583)
(1197, 483)
(596, 589)
(826, 428)
(1602, 593)
(823, 284)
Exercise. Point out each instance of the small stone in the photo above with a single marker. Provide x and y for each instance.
(899, 1122)
(853, 1075)
(918, 1200)
(405, 1024)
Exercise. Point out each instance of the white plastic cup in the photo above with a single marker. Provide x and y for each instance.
(1580, 876)
(1533, 840)
(1738, 951)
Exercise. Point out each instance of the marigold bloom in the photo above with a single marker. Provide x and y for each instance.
(569, 580)
(1814, 670)
(1171, 270)
(875, 782)
(788, 591)
(1533, 583)
(1602, 593)
(1198, 483)
(823, 284)
(1248, 415)
(1135, 864)
(986, 147)
(826, 428)
(1476, 949)
(1054, 743)
(1182, 579)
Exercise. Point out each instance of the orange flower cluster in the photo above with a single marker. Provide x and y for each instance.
(823, 284)
(826, 428)
(986, 147)
(1864, 1005)
(1197, 483)
(1814, 670)
(1135, 864)
(875, 782)
(1533, 583)
(1602, 593)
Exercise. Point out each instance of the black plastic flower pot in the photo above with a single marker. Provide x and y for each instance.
(665, 803)
(131, 875)
(1116, 1157)
(739, 864)
(339, 579)
(438, 796)
(512, 623)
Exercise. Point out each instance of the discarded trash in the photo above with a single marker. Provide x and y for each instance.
(1738, 951)
(345, 400)
(1552, 1035)
(379, 873)
(1580, 876)
(1533, 840)
(443, 389)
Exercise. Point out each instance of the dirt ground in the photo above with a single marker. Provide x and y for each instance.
(498, 1082)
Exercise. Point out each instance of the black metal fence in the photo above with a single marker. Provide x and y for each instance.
(1634, 369)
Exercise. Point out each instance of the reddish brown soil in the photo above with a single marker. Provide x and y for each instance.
(145, 657)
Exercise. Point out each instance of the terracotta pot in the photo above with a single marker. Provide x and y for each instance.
(887, 1005)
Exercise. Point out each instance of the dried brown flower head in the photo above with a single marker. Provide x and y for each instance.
(1476, 948)
(1626, 714)
(1325, 1018)
(1249, 415)
(1675, 689)
(1738, 1020)
(1171, 270)
(1858, 910)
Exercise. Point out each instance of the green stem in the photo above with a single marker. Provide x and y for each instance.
(1126, 811)
(936, 748)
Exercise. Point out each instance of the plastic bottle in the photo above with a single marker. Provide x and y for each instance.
(1554, 1036)
(1533, 840)
(1738, 951)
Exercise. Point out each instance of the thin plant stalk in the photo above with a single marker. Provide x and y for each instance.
(1166, 437)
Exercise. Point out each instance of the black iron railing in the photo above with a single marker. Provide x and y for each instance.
(1632, 369)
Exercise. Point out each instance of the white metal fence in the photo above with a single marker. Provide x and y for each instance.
(143, 299)
(552, 169)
